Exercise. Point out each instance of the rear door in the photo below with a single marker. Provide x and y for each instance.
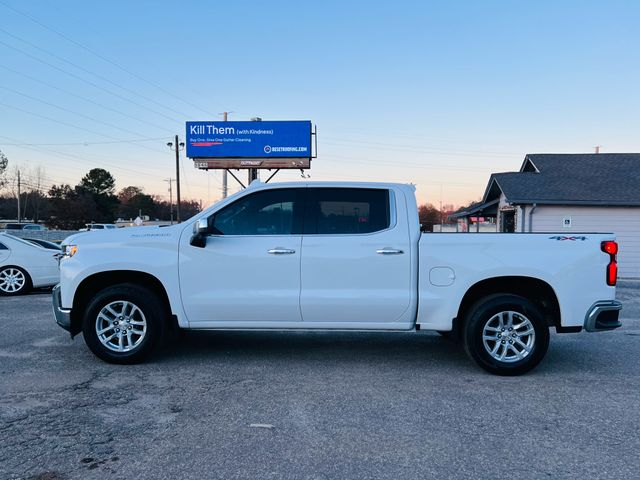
(356, 262)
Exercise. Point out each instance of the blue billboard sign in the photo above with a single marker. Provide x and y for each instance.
(266, 139)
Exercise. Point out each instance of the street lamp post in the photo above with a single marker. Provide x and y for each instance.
(177, 146)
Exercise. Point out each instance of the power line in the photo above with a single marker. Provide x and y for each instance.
(92, 155)
(50, 119)
(115, 110)
(84, 144)
(83, 159)
(88, 82)
(72, 125)
(81, 68)
(102, 57)
(363, 161)
(410, 148)
(72, 111)
(386, 133)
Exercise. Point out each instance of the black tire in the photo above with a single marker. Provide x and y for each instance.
(484, 313)
(26, 286)
(152, 309)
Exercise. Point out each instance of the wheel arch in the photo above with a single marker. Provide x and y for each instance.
(534, 289)
(94, 283)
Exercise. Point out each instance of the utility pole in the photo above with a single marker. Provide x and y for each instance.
(441, 213)
(225, 190)
(170, 180)
(177, 180)
(177, 146)
(19, 217)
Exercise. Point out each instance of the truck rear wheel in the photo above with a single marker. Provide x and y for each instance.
(506, 334)
(124, 323)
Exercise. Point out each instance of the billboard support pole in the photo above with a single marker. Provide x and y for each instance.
(271, 176)
(237, 179)
(225, 189)
(253, 172)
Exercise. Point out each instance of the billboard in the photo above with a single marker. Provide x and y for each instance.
(259, 141)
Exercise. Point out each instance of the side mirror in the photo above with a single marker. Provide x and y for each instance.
(201, 226)
(200, 230)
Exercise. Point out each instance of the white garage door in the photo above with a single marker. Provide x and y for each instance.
(624, 222)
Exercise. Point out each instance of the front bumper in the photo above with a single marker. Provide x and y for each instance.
(62, 315)
(603, 316)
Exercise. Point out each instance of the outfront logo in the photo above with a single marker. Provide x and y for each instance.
(267, 149)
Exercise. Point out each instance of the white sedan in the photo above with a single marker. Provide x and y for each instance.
(25, 265)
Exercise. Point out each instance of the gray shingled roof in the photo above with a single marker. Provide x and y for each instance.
(582, 179)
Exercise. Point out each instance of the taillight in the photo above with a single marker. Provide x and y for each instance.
(611, 248)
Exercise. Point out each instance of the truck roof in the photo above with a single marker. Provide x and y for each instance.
(337, 184)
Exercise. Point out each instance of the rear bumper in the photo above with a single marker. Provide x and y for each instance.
(603, 316)
(62, 315)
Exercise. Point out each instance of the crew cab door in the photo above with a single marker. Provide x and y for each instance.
(356, 258)
(249, 268)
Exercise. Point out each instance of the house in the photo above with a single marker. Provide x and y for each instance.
(569, 193)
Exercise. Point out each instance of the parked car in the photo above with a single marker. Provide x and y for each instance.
(25, 226)
(335, 256)
(98, 226)
(25, 265)
(44, 243)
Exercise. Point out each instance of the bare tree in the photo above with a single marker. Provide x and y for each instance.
(4, 161)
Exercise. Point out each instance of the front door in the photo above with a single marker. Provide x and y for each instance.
(508, 221)
(249, 269)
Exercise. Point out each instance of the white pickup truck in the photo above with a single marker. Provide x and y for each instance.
(334, 256)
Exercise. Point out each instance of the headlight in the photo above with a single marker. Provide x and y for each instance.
(69, 251)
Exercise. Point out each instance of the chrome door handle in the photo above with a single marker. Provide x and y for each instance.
(281, 251)
(389, 251)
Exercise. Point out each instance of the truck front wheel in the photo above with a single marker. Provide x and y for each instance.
(506, 334)
(124, 323)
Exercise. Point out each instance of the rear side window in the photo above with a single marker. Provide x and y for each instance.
(347, 211)
(3, 246)
(270, 212)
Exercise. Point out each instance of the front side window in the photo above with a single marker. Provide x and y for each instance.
(270, 212)
(347, 211)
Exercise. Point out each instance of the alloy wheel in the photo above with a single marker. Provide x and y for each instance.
(508, 336)
(12, 280)
(121, 326)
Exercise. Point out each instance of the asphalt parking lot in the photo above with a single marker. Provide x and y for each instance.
(314, 405)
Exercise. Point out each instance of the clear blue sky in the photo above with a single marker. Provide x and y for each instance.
(437, 93)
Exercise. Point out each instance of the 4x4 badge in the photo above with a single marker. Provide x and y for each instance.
(562, 237)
